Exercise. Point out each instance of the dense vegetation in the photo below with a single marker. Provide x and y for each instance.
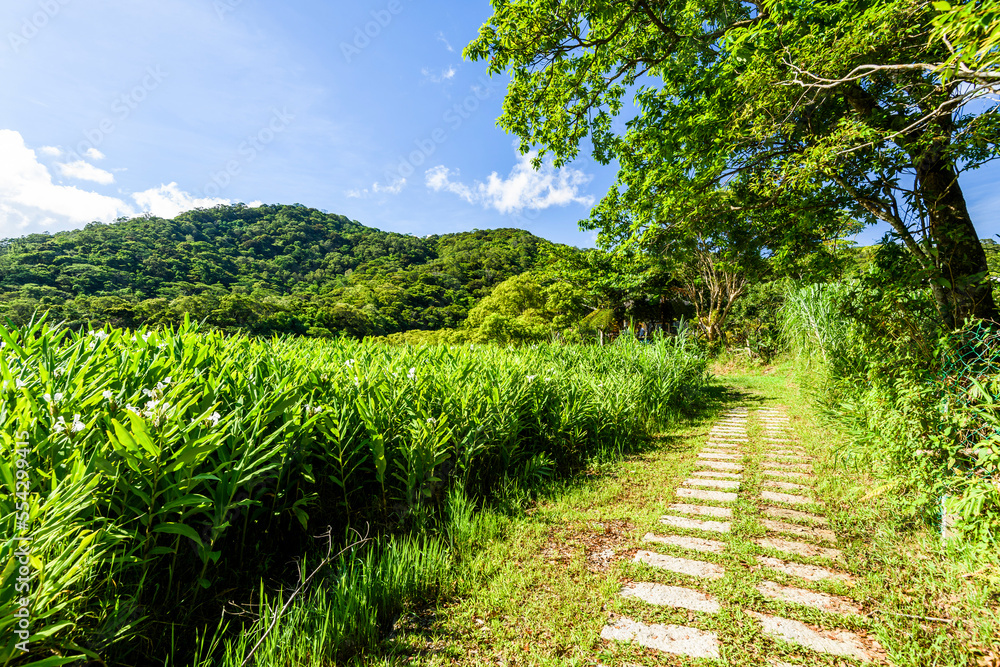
(917, 403)
(795, 118)
(263, 270)
(171, 471)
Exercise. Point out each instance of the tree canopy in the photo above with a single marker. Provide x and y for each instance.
(801, 118)
(263, 270)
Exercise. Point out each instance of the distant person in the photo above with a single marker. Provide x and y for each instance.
(642, 332)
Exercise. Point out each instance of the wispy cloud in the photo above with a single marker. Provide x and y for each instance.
(94, 154)
(524, 188)
(444, 75)
(447, 44)
(393, 188)
(84, 171)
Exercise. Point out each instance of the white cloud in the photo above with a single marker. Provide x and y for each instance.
(169, 201)
(30, 202)
(447, 45)
(393, 188)
(438, 179)
(445, 75)
(94, 154)
(52, 151)
(523, 188)
(84, 171)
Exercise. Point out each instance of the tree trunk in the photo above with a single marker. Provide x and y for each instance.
(961, 258)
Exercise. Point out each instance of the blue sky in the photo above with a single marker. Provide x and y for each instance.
(117, 107)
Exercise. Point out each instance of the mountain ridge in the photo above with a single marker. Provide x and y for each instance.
(262, 270)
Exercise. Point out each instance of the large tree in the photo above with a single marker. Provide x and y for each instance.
(794, 112)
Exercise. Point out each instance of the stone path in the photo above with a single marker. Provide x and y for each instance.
(796, 576)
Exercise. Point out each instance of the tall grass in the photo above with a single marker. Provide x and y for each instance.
(929, 431)
(171, 468)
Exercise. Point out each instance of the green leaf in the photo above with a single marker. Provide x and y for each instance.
(302, 516)
(179, 529)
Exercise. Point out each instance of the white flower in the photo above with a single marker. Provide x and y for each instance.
(349, 363)
(531, 377)
(133, 409)
(99, 335)
(431, 420)
(167, 380)
(19, 383)
(147, 392)
(106, 394)
(162, 346)
(412, 374)
(214, 418)
(77, 424)
(47, 398)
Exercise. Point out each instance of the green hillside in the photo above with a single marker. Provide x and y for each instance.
(263, 270)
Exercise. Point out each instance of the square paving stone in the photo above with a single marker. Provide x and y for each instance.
(674, 639)
(716, 473)
(695, 524)
(787, 473)
(800, 531)
(833, 604)
(693, 568)
(799, 548)
(704, 494)
(719, 465)
(702, 510)
(686, 542)
(795, 515)
(834, 642)
(714, 483)
(802, 571)
(789, 498)
(785, 486)
(672, 596)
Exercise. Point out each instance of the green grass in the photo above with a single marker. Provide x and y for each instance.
(536, 598)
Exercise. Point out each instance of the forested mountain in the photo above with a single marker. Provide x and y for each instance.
(266, 269)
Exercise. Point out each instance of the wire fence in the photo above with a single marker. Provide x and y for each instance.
(973, 357)
(970, 364)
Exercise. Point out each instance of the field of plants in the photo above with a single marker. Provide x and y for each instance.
(918, 405)
(157, 481)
